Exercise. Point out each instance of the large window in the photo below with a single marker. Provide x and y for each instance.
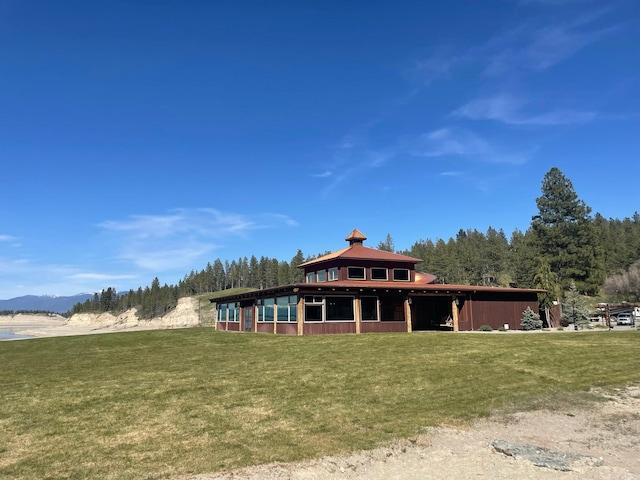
(222, 312)
(265, 309)
(229, 312)
(286, 308)
(378, 273)
(401, 274)
(355, 273)
(311, 277)
(339, 309)
(369, 306)
(391, 309)
(322, 275)
(313, 307)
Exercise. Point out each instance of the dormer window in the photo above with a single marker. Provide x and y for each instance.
(355, 273)
(379, 273)
(401, 274)
(333, 274)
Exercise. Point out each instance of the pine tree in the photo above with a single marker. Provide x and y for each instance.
(565, 234)
(387, 245)
(575, 308)
(530, 320)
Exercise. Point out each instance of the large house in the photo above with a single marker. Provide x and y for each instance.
(362, 290)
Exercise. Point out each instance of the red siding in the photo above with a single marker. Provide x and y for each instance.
(382, 327)
(287, 328)
(329, 327)
(265, 327)
(496, 310)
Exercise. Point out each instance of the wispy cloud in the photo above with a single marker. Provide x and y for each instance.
(534, 45)
(507, 109)
(10, 239)
(98, 276)
(539, 48)
(181, 237)
(449, 141)
(460, 142)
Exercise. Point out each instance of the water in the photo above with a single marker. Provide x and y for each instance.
(7, 334)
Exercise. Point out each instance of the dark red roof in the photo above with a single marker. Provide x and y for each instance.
(357, 251)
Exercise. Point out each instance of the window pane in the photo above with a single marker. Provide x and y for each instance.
(283, 309)
(313, 313)
(355, 273)
(378, 273)
(333, 273)
(401, 274)
(339, 308)
(268, 309)
(322, 276)
(369, 308)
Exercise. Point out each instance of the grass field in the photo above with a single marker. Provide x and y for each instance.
(164, 403)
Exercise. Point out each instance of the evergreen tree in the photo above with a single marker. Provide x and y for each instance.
(575, 308)
(387, 245)
(530, 320)
(565, 235)
(546, 280)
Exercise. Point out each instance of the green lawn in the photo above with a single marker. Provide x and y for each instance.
(164, 403)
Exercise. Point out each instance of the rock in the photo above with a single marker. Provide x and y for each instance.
(543, 457)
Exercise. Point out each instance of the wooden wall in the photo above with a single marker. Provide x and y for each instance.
(329, 327)
(383, 327)
(496, 310)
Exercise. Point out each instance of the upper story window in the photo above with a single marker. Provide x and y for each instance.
(321, 276)
(311, 277)
(401, 274)
(379, 273)
(355, 273)
(333, 273)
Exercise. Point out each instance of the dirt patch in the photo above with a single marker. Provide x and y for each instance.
(599, 442)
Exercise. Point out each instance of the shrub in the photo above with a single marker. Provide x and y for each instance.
(502, 329)
(530, 320)
(564, 322)
(560, 328)
(485, 328)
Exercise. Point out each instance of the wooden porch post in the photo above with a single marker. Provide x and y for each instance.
(407, 314)
(300, 314)
(454, 311)
(357, 310)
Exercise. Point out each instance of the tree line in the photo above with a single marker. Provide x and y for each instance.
(564, 246)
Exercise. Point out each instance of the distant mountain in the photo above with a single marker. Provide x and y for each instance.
(46, 303)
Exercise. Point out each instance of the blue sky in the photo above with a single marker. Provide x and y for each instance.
(146, 138)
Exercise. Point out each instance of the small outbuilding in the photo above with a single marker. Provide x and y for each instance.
(363, 290)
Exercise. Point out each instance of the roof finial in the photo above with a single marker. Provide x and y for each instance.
(355, 237)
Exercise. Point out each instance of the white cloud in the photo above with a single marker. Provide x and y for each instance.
(533, 45)
(460, 142)
(10, 239)
(182, 237)
(508, 109)
(99, 276)
(536, 48)
(449, 141)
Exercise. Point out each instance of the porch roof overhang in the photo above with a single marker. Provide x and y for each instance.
(404, 288)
